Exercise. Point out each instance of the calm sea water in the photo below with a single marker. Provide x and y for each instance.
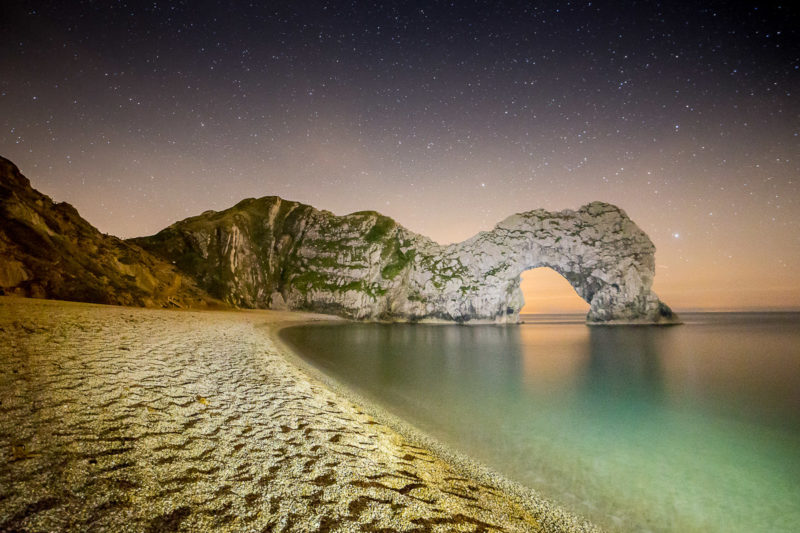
(687, 428)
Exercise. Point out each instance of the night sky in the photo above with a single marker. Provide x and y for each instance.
(447, 116)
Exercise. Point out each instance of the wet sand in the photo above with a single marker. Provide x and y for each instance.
(127, 419)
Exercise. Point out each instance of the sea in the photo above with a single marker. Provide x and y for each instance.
(684, 428)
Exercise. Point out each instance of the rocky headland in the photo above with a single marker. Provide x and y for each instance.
(277, 254)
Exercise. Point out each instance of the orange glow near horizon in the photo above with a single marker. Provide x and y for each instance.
(546, 291)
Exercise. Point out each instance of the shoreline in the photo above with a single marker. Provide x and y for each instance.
(549, 514)
(204, 420)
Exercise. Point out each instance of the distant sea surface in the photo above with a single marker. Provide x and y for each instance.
(686, 428)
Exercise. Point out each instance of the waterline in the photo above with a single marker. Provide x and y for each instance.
(637, 428)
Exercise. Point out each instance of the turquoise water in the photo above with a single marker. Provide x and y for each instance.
(687, 428)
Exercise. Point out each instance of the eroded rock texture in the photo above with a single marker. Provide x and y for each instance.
(274, 253)
(48, 251)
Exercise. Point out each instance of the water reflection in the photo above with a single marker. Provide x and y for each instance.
(425, 358)
(694, 428)
(625, 365)
(729, 369)
(552, 355)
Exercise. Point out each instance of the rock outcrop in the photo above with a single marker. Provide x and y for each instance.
(48, 251)
(273, 253)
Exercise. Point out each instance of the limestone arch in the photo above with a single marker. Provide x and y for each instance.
(606, 258)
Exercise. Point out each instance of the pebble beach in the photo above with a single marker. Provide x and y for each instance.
(129, 419)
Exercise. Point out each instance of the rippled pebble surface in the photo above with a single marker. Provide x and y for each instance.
(125, 419)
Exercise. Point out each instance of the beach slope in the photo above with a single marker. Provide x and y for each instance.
(158, 420)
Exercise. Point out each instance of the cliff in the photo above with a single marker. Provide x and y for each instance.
(48, 251)
(273, 253)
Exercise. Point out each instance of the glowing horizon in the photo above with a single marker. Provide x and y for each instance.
(547, 292)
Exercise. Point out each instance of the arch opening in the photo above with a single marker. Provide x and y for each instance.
(547, 292)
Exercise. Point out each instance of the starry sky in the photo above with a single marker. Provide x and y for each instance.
(447, 116)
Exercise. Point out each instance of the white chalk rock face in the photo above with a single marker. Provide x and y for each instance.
(271, 253)
(598, 249)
